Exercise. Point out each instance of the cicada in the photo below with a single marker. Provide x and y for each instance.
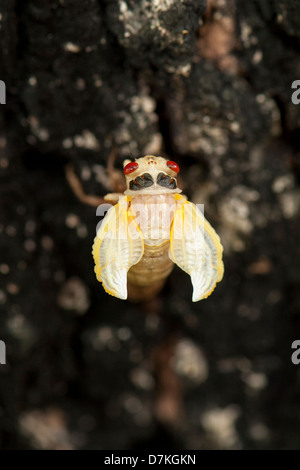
(150, 229)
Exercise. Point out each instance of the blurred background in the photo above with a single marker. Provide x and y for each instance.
(207, 84)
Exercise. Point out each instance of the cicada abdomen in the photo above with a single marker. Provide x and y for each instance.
(151, 228)
(154, 214)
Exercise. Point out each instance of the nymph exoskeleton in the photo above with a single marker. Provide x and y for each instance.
(151, 228)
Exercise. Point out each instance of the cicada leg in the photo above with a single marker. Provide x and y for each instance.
(116, 181)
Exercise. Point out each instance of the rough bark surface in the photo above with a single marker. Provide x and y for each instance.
(210, 86)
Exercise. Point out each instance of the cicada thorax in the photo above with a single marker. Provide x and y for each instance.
(154, 214)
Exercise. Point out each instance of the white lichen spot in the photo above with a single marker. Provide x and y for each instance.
(189, 361)
(248, 311)
(123, 136)
(184, 70)
(3, 142)
(20, 328)
(257, 57)
(283, 183)
(72, 221)
(220, 424)
(260, 98)
(4, 162)
(30, 245)
(141, 378)
(82, 231)
(87, 140)
(67, 143)
(237, 224)
(80, 84)
(124, 333)
(246, 32)
(40, 132)
(71, 47)
(97, 80)
(235, 127)
(4, 269)
(152, 323)
(86, 173)
(132, 404)
(92, 48)
(11, 230)
(74, 296)
(102, 338)
(43, 135)
(32, 81)
(123, 7)
(290, 203)
(47, 243)
(142, 103)
(279, 18)
(30, 227)
(3, 297)
(101, 176)
(259, 431)
(154, 146)
(12, 288)
(105, 334)
(255, 380)
(47, 429)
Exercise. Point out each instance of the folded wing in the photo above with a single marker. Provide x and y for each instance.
(196, 248)
(117, 246)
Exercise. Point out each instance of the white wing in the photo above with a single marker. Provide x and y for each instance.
(196, 248)
(117, 246)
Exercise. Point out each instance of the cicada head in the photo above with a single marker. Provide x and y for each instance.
(151, 175)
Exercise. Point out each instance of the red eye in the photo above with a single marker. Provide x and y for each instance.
(130, 167)
(173, 166)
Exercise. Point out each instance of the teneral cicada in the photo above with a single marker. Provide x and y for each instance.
(152, 227)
